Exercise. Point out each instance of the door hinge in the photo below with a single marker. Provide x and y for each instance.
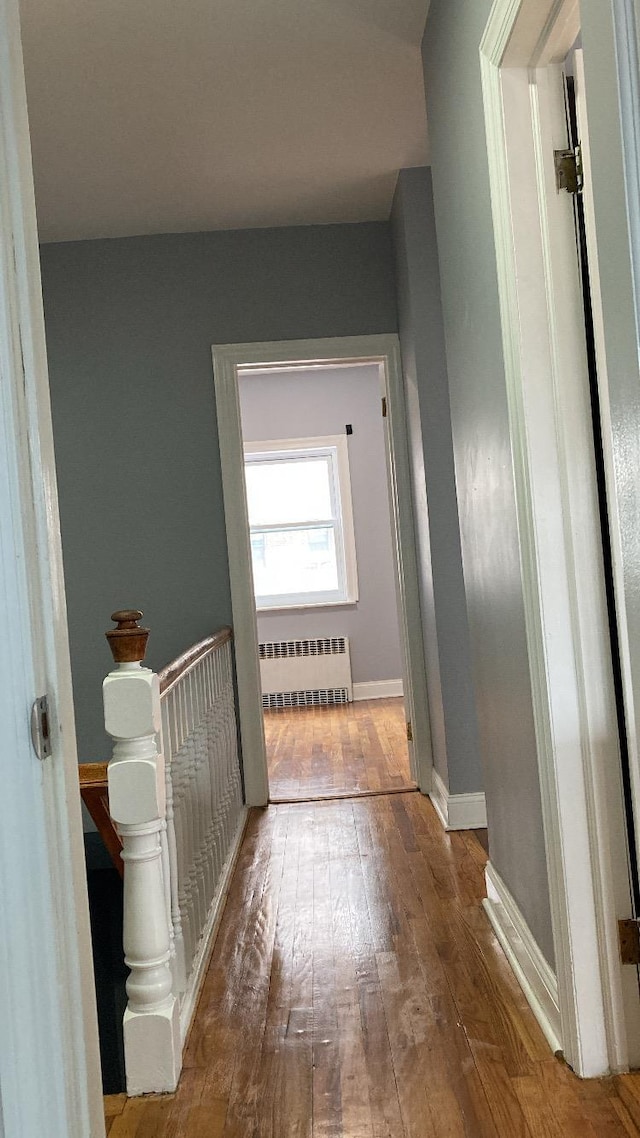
(569, 171)
(409, 732)
(384, 406)
(40, 733)
(629, 935)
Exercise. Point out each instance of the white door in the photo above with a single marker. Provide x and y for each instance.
(561, 549)
(49, 1064)
(623, 841)
(584, 606)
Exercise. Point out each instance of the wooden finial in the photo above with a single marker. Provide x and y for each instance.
(128, 642)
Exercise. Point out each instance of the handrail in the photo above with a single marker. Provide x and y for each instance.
(94, 774)
(93, 789)
(171, 673)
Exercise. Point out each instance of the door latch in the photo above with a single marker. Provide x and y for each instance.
(629, 934)
(40, 733)
(569, 172)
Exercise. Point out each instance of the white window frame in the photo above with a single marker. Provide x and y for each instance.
(335, 447)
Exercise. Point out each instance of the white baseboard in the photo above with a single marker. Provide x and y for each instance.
(203, 956)
(377, 689)
(533, 973)
(458, 811)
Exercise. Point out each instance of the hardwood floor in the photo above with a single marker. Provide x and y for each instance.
(356, 990)
(321, 752)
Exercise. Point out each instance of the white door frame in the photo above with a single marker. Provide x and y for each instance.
(50, 1079)
(559, 533)
(383, 350)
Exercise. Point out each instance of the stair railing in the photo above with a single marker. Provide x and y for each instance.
(175, 796)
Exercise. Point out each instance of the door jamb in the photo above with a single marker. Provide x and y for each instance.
(385, 351)
(522, 36)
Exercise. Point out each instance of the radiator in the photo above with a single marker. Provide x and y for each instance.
(305, 673)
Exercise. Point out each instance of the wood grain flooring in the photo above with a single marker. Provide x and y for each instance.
(321, 752)
(356, 990)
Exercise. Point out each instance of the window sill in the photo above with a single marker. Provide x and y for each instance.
(351, 603)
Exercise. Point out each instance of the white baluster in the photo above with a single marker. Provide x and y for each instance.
(181, 824)
(207, 780)
(199, 877)
(178, 959)
(137, 805)
(188, 762)
(212, 856)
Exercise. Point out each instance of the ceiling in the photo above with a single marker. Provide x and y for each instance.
(156, 116)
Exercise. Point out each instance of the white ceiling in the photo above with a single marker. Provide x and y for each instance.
(153, 116)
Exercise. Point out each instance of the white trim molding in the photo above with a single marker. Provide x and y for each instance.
(377, 689)
(458, 811)
(228, 360)
(533, 973)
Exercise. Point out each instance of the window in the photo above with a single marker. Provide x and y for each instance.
(301, 522)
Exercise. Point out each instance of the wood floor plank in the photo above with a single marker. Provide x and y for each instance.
(351, 937)
(251, 1001)
(327, 1084)
(360, 998)
(628, 1087)
(269, 1071)
(625, 1118)
(114, 1104)
(297, 1051)
(454, 1090)
(137, 1112)
(181, 1107)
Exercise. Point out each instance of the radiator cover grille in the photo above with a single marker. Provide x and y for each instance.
(287, 649)
(305, 673)
(319, 697)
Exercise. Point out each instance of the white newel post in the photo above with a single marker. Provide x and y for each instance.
(137, 805)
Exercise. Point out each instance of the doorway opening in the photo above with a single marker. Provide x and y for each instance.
(320, 531)
(324, 579)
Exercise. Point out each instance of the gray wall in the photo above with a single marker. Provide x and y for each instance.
(452, 712)
(130, 324)
(292, 405)
(482, 454)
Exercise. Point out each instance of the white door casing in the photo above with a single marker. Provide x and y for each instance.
(559, 528)
(49, 1062)
(385, 351)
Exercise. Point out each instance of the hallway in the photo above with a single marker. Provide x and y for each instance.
(356, 991)
(350, 749)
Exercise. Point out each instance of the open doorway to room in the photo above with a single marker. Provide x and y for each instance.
(320, 530)
(323, 574)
